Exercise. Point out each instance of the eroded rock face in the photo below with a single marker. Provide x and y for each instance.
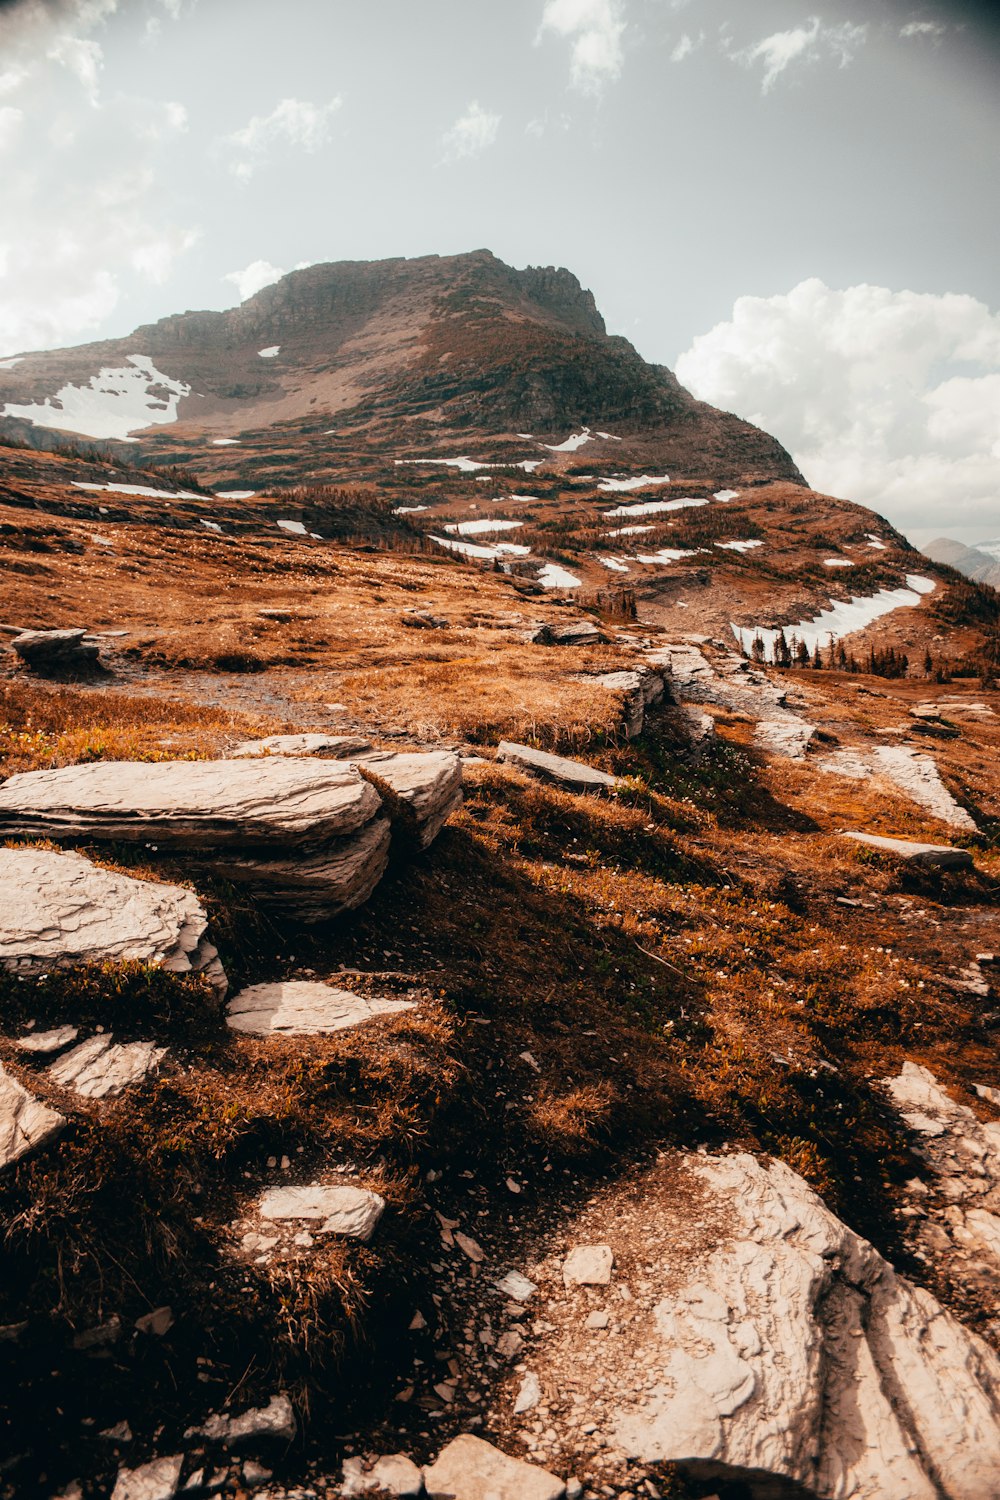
(762, 1340)
(572, 774)
(941, 855)
(25, 1123)
(469, 1469)
(963, 1160)
(295, 1007)
(426, 787)
(640, 689)
(58, 909)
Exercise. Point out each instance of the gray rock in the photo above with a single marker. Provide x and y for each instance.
(60, 909)
(350, 1211)
(911, 772)
(787, 735)
(53, 650)
(393, 1474)
(640, 689)
(300, 1007)
(276, 1420)
(101, 1068)
(555, 768)
(334, 746)
(47, 1042)
(588, 1265)
(569, 633)
(25, 1123)
(158, 1480)
(942, 855)
(312, 888)
(469, 1469)
(423, 788)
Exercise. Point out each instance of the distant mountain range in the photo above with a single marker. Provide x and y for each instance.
(980, 563)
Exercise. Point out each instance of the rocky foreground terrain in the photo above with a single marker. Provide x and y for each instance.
(476, 1021)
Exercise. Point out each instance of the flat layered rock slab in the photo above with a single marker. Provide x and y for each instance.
(470, 1469)
(788, 735)
(60, 909)
(314, 887)
(191, 805)
(428, 784)
(555, 768)
(300, 1007)
(350, 1211)
(910, 772)
(25, 1123)
(335, 746)
(101, 1068)
(944, 856)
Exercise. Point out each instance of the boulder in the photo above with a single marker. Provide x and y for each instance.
(942, 855)
(25, 1123)
(770, 1346)
(60, 909)
(334, 746)
(158, 1480)
(588, 1265)
(393, 1474)
(470, 1469)
(422, 789)
(47, 1042)
(568, 633)
(55, 650)
(101, 1068)
(349, 1211)
(572, 774)
(300, 1007)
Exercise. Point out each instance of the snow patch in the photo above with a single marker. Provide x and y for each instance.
(295, 527)
(637, 482)
(837, 562)
(479, 528)
(614, 563)
(225, 442)
(652, 507)
(842, 618)
(487, 553)
(876, 542)
(665, 555)
(573, 442)
(116, 402)
(739, 546)
(8, 364)
(138, 489)
(409, 510)
(212, 525)
(726, 495)
(554, 577)
(269, 353)
(235, 494)
(629, 530)
(471, 465)
(609, 437)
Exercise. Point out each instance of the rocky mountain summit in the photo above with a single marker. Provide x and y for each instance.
(499, 953)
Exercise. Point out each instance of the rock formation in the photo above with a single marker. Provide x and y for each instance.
(572, 774)
(304, 1008)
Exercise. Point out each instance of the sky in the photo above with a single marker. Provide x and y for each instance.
(794, 205)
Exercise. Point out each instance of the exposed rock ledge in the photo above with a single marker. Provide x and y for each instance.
(765, 1341)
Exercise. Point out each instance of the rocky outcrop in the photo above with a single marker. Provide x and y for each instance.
(25, 1123)
(53, 651)
(790, 736)
(60, 909)
(914, 774)
(310, 836)
(753, 1337)
(572, 774)
(639, 690)
(275, 1421)
(578, 632)
(943, 856)
(302, 1007)
(957, 1214)
(469, 1469)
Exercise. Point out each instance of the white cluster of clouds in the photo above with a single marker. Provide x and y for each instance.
(887, 398)
(292, 122)
(809, 43)
(596, 29)
(257, 275)
(471, 133)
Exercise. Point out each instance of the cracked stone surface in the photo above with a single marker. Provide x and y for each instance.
(301, 1007)
(750, 1333)
(470, 1469)
(962, 1154)
(910, 771)
(275, 1420)
(572, 774)
(393, 1474)
(58, 909)
(336, 746)
(101, 1068)
(25, 1123)
(790, 736)
(428, 785)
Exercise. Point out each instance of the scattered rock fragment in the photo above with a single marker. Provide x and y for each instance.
(303, 1007)
(349, 1211)
(944, 856)
(572, 774)
(100, 1068)
(45, 1043)
(25, 1123)
(528, 1396)
(588, 1265)
(393, 1474)
(55, 650)
(470, 1469)
(517, 1287)
(275, 1420)
(59, 909)
(158, 1480)
(640, 689)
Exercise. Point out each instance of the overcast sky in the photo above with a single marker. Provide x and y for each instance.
(794, 205)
